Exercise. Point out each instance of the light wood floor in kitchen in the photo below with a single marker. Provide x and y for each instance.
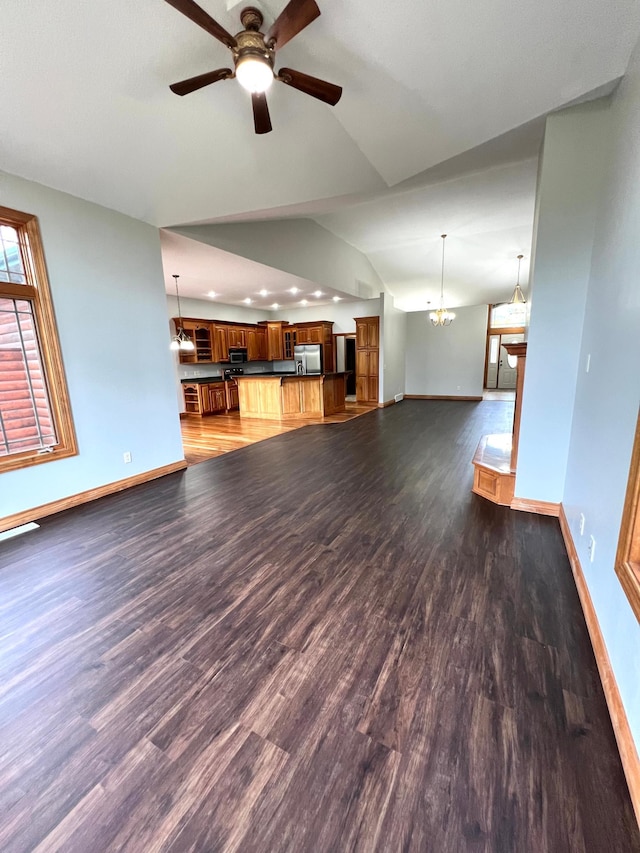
(205, 438)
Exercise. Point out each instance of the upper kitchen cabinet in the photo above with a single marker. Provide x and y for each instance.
(256, 339)
(220, 343)
(275, 346)
(367, 332)
(237, 336)
(200, 333)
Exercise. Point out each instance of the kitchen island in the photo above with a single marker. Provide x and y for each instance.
(290, 395)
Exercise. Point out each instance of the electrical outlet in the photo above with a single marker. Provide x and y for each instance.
(592, 548)
(581, 524)
(127, 456)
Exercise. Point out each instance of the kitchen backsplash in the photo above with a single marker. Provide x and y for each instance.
(193, 371)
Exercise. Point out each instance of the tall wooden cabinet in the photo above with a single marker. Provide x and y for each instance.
(367, 359)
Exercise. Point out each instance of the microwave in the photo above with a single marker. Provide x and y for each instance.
(237, 355)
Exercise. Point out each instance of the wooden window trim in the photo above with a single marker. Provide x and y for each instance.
(38, 291)
(628, 554)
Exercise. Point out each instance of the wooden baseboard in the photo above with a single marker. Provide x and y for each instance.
(622, 731)
(439, 397)
(53, 507)
(388, 403)
(539, 507)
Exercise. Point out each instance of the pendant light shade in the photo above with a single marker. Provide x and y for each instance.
(518, 296)
(180, 341)
(442, 317)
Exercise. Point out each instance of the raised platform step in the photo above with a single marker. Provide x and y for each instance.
(493, 478)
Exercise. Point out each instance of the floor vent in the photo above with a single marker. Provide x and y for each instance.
(398, 397)
(16, 531)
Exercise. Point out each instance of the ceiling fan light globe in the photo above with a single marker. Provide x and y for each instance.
(254, 74)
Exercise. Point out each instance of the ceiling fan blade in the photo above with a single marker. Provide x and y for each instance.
(320, 89)
(295, 16)
(261, 118)
(204, 20)
(184, 87)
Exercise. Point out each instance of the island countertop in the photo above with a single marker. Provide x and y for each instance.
(279, 395)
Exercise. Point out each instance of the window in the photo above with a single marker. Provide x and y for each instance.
(35, 415)
(628, 555)
(506, 315)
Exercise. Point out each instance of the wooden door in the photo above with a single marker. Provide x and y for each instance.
(507, 375)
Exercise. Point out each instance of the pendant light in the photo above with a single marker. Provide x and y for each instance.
(518, 296)
(442, 317)
(180, 341)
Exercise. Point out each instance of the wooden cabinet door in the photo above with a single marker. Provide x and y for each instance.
(237, 337)
(204, 394)
(251, 337)
(217, 398)
(362, 362)
(372, 389)
(220, 344)
(232, 395)
(373, 336)
(274, 342)
(289, 340)
(316, 335)
(361, 334)
(304, 335)
(261, 338)
(374, 358)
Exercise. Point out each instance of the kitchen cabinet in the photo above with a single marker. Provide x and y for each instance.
(367, 359)
(367, 332)
(289, 341)
(204, 398)
(256, 344)
(231, 391)
(236, 336)
(200, 333)
(275, 349)
(220, 343)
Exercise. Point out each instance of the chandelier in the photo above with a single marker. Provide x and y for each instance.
(180, 341)
(442, 317)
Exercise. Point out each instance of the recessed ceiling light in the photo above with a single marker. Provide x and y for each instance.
(317, 293)
(294, 290)
(247, 301)
(212, 294)
(303, 302)
(275, 305)
(264, 292)
(337, 298)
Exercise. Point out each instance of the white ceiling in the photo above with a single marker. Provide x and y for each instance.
(86, 108)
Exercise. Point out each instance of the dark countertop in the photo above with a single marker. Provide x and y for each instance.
(202, 380)
(207, 380)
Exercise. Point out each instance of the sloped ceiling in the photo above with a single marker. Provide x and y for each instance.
(86, 106)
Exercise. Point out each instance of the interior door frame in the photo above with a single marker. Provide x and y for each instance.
(496, 330)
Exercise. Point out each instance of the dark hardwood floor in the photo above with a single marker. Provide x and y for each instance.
(320, 642)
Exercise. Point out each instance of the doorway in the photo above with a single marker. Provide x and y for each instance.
(500, 374)
(350, 364)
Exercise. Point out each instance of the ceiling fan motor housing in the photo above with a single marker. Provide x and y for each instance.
(252, 43)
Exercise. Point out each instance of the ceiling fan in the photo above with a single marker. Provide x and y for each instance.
(254, 55)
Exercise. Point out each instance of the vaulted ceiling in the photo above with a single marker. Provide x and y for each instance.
(86, 108)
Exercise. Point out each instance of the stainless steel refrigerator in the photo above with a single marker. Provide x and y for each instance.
(308, 358)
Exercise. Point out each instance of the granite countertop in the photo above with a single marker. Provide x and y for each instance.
(201, 380)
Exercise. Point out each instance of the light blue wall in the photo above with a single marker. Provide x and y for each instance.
(392, 349)
(607, 398)
(107, 284)
(570, 178)
(446, 361)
